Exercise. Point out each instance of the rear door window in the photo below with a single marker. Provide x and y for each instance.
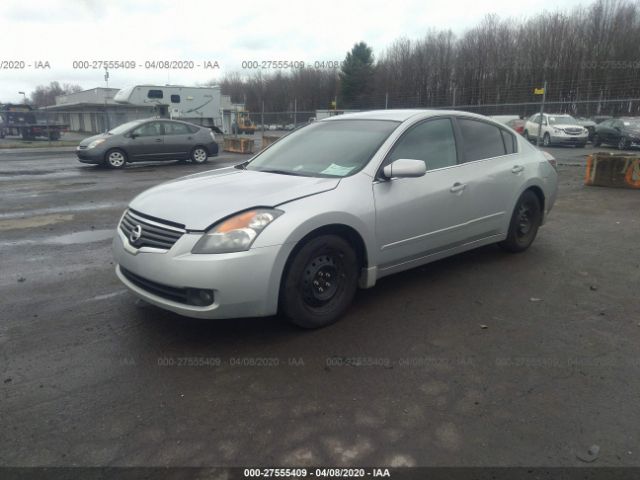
(480, 140)
(175, 129)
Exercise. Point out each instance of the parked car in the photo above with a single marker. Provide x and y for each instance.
(589, 124)
(557, 129)
(621, 132)
(150, 139)
(334, 205)
(517, 124)
(600, 118)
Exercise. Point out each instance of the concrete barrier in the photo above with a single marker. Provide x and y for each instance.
(613, 170)
(238, 145)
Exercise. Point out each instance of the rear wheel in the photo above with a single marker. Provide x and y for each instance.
(525, 221)
(115, 158)
(623, 144)
(320, 282)
(199, 155)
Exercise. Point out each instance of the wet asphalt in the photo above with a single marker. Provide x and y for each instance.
(486, 358)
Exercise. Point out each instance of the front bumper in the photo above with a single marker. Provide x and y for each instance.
(244, 284)
(90, 155)
(569, 139)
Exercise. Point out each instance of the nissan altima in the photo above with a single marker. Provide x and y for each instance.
(331, 207)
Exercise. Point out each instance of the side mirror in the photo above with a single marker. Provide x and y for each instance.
(133, 135)
(405, 168)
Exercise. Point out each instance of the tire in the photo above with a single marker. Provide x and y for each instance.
(596, 140)
(310, 297)
(199, 155)
(546, 140)
(623, 144)
(524, 225)
(115, 158)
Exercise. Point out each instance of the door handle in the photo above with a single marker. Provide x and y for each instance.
(457, 187)
(158, 140)
(517, 169)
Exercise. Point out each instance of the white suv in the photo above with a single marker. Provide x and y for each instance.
(557, 129)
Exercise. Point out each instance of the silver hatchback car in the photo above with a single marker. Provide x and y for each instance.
(331, 207)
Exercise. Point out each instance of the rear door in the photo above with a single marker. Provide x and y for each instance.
(146, 142)
(492, 173)
(178, 140)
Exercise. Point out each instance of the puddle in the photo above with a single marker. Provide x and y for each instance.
(78, 207)
(81, 237)
(13, 175)
(89, 236)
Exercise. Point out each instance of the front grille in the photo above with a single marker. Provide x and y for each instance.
(189, 296)
(145, 232)
(573, 131)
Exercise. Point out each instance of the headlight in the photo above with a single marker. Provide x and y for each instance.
(97, 142)
(557, 130)
(237, 233)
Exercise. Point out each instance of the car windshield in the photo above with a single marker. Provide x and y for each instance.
(123, 128)
(336, 148)
(562, 120)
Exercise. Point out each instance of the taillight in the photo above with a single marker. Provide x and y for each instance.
(551, 159)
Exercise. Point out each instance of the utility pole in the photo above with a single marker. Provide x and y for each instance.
(106, 116)
(544, 97)
(262, 118)
(386, 100)
(295, 112)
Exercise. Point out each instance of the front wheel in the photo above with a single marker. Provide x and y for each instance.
(546, 140)
(320, 282)
(596, 140)
(115, 158)
(199, 155)
(525, 221)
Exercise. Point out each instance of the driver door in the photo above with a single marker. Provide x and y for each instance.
(146, 142)
(416, 217)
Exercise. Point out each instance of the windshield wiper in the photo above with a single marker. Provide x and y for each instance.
(282, 172)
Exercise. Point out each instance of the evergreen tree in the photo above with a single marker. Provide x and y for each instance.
(356, 76)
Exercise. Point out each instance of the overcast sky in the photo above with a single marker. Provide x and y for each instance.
(59, 32)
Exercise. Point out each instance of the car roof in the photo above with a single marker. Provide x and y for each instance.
(402, 115)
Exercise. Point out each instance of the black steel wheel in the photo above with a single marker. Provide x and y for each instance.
(320, 282)
(525, 222)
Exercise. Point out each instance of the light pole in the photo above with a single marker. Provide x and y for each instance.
(24, 97)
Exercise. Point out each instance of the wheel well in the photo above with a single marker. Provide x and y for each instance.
(200, 146)
(344, 231)
(538, 192)
(124, 152)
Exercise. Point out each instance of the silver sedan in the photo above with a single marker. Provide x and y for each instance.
(331, 207)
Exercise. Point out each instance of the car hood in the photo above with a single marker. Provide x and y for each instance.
(566, 125)
(88, 140)
(200, 200)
